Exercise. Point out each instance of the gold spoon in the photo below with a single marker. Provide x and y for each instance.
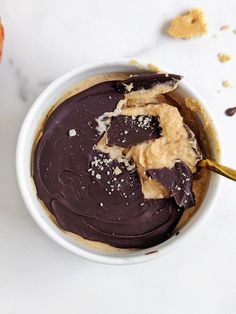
(214, 166)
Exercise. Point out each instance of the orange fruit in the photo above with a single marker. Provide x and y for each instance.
(1, 39)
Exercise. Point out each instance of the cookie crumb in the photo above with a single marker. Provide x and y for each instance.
(223, 57)
(226, 84)
(188, 25)
(224, 27)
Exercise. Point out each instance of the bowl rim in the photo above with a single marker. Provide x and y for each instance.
(27, 191)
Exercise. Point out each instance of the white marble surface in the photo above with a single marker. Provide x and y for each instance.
(45, 39)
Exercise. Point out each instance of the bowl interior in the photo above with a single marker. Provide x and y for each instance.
(26, 139)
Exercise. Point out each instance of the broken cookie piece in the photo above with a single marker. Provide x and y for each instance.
(126, 131)
(188, 25)
(178, 180)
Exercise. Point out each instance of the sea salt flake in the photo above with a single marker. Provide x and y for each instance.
(117, 171)
(98, 176)
(72, 132)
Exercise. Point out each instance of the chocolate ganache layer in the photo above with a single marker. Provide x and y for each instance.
(94, 195)
(126, 131)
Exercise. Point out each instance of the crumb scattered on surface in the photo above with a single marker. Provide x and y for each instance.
(188, 25)
(224, 27)
(226, 84)
(223, 57)
(234, 31)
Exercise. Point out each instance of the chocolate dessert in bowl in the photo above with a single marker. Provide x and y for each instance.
(107, 161)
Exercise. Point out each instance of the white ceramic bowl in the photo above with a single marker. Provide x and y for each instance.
(26, 138)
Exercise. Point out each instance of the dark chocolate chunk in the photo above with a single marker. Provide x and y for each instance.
(88, 193)
(178, 180)
(126, 131)
(146, 81)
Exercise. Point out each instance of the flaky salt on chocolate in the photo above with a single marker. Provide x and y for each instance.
(72, 133)
(189, 25)
(178, 180)
(126, 131)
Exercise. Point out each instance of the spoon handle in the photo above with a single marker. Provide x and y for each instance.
(214, 166)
